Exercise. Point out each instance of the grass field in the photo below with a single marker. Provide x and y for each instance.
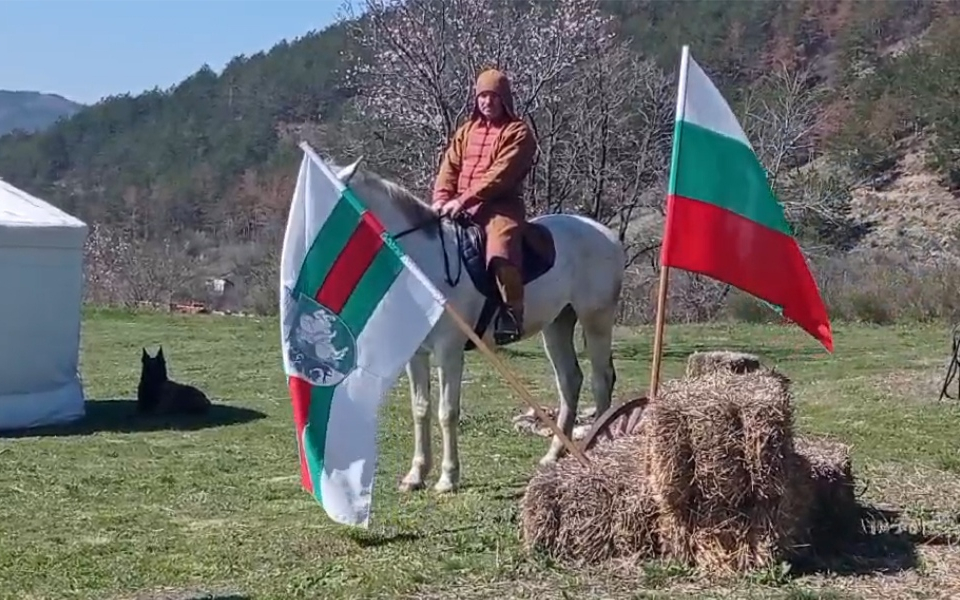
(119, 508)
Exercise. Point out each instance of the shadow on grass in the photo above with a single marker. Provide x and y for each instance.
(367, 539)
(120, 416)
(376, 540)
(882, 547)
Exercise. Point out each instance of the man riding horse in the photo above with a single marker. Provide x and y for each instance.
(482, 175)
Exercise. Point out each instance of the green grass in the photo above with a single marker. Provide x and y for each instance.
(116, 509)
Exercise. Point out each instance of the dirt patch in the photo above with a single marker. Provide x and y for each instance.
(914, 214)
(916, 385)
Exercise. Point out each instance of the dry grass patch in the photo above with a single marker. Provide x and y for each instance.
(101, 511)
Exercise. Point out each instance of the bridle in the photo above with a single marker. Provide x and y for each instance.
(463, 221)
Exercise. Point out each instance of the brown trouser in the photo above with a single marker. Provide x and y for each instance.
(504, 257)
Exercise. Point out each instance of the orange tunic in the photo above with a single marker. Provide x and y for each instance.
(486, 164)
(477, 154)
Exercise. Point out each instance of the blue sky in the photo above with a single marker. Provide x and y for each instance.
(87, 49)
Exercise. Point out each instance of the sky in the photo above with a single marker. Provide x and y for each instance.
(85, 50)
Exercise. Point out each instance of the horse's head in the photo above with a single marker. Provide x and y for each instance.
(396, 207)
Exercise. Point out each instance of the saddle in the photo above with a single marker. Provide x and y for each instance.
(539, 255)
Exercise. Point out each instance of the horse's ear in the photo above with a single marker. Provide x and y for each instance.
(347, 172)
(160, 352)
(144, 355)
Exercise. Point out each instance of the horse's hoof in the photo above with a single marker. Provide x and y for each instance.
(445, 486)
(547, 460)
(408, 485)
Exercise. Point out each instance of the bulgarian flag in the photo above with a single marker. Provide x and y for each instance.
(723, 219)
(353, 310)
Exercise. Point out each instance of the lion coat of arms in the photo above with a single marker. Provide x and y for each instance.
(318, 345)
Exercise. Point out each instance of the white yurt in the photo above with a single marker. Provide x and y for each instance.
(41, 270)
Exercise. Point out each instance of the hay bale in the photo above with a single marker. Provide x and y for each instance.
(780, 527)
(585, 515)
(701, 363)
(835, 513)
(669, 455)
(766, 409)
(719, 449)
(711, 476)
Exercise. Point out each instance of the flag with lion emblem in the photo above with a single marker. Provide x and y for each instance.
(353, 310)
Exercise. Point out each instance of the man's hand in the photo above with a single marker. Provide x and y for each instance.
(438, 205)
(453, 208)
(456, 207)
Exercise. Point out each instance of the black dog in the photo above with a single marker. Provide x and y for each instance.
(157, 394)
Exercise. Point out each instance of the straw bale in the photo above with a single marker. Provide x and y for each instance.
(700, 363)
(836, 515)
(711, 476)
(730, 433)
(588, 514)
(766, 408)
(780, 527)
(720, 444)
(669, 457)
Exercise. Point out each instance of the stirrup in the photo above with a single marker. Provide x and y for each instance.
(507, 329)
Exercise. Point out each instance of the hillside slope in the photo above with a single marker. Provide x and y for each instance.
(187, 149)
(210, 163)
(32, 111)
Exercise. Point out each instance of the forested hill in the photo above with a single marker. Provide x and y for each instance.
(857, 85)
(32, 111)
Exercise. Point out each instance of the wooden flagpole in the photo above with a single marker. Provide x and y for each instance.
(664, 269)
(658, 331)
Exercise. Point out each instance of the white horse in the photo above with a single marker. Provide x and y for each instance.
(583, 284)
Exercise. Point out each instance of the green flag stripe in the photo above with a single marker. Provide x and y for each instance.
(718, 169)
(326, 247)
(315, 434)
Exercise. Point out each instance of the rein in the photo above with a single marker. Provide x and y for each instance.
(459, 232)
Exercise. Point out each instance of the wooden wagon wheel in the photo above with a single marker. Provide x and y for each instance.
(602, 427)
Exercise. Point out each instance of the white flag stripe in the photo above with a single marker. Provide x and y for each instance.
(398, 325)
(395, 330)
(313, 200)
(350, 450)
(705, 106)
(324, 168)
(294, 237)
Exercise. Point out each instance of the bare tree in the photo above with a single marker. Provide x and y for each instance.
(419, 58)
(617, 134)
(122, 269)
(782, 115)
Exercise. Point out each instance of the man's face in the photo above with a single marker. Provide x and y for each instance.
(490, 105)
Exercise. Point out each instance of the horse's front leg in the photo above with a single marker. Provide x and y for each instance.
(451, 361)
(418, 372)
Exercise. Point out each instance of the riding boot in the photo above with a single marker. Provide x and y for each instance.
(509, 324)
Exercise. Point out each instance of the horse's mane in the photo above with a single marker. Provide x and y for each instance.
(415, 211)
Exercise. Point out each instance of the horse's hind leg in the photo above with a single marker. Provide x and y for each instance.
(558, 341)
(418, 372)
(598, 331)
